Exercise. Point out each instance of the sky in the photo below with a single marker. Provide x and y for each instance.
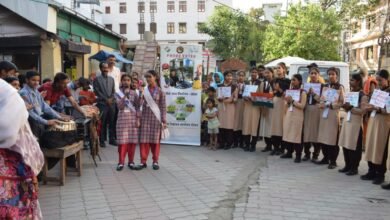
(245, 5)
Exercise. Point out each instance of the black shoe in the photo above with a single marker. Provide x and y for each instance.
(352, 173)
(378, 180)
(306, 158)
(297, 160)
(321, 162)
(113, 143)
(368, 176)
(314, 159)
(386, 186)
(246, 148)
(253, 149)
(102, 144)
(344, 170)
(141, 166)
(226, 148)
(131, 166)
(332, 165)
(235, 145)
(119, 167)
(286, 156)
(266, 149)
(155, 166)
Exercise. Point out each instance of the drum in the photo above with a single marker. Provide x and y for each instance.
(60, 135)
(64, 126)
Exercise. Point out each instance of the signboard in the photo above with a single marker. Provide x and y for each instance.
(378, 98)
(315, 86)
(352, 98)
(184, 108)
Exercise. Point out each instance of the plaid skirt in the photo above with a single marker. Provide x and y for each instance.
(126, 128)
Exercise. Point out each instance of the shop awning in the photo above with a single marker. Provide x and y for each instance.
(75, 47)
(103, 55)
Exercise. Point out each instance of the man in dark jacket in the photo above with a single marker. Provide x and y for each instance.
(104, 87)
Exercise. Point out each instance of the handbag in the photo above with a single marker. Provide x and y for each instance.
(213, 124)
(156, 111)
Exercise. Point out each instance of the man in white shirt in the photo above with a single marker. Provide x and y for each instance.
(114, 71)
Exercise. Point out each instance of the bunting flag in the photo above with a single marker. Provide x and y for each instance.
(262, 99)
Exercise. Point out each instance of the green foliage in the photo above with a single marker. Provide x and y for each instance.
(235, 34)
(308, 32)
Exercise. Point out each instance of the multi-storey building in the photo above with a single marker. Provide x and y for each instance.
(172, 21)
(363, 40)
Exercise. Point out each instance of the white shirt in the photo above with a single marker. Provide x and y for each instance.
(116, 74)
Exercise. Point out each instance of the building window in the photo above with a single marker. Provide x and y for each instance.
(141, 7)
(122, 8)
(369, 53)
(141, 28)
(153, 27)
(108, 26)
(108, 10)
(123, 28)
(171, 28)
(182, 6)
(171, 6)
(153, 7)
(200, 25)
(370, 22)
(201, 6)
(182, 28)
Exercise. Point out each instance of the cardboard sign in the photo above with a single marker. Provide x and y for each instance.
(331, 95)
(315, 86)
(248, 89)
(379, 98)
(295, 94)
(224, 92)
(352, 98)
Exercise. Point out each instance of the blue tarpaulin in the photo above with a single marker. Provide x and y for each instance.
(102, 56)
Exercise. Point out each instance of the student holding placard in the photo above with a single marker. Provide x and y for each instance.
(266, 113)
(312, 116)
(251, 116)
(239, 112)
(377, 133)
(293, 120)
(280, 85)
(226, 110)
(332, 99)
(353, 144)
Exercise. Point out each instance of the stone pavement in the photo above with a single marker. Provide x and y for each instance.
(195, 183)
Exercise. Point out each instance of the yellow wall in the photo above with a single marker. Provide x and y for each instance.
(51, 62)
(92, 66)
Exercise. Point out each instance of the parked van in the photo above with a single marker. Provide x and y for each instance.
(300, 67)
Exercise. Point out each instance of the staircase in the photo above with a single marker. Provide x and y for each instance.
(145, 57)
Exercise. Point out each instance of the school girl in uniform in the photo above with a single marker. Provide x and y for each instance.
(153, 119)
(293, 121)
(226, 110)
(251, 117)
(377, 135)
(128, 122)
(280, 85)
(352, 125)
(312, 116)
(329, 123)
(239, 113)
(266, 113)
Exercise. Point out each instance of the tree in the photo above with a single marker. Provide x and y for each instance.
(235, 34)
(307, 31)
(349, 9)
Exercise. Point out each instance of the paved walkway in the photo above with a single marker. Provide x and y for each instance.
(195, 183)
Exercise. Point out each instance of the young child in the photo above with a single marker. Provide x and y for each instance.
(210, 93)
(128, 122)
(212, 123)
(13, 81)
(86, 96)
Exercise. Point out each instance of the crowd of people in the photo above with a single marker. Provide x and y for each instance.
(300, 124)
(134, 114)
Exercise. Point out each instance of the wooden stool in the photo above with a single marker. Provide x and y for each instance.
(62, 153)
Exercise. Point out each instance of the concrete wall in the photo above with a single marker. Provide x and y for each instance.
(51, 60)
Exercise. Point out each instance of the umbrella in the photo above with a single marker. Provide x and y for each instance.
(286, 60)
(102, 56)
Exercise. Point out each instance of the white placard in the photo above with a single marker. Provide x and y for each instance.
(379, 98)
(352, 98)
(294, 93)
(248, 89)
(315, 86)
(388, 104)
(224, 92)
(331, 95)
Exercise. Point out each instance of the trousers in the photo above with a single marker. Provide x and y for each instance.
(128, 149)
(145, 148)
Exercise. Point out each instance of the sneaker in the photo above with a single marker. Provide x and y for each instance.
(155, 166)
(131, 166)
(119, 167)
